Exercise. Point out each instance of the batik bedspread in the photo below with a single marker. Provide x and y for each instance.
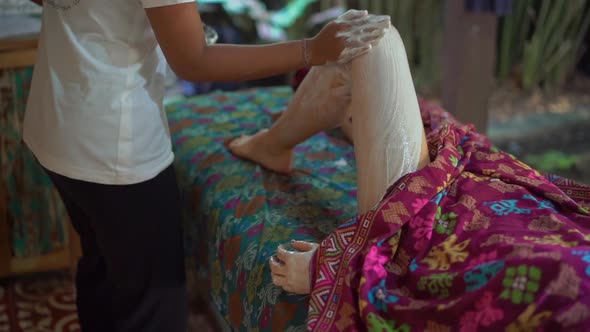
(237, 214)
(475, 241)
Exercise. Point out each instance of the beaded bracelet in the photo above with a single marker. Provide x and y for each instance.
(306, 55)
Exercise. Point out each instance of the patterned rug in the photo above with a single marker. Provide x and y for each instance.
(38, 303)
(46, 303)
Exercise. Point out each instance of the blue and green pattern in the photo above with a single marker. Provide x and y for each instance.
(237, 213)
(34, 211)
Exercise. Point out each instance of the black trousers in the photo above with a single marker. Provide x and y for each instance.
(131, 276)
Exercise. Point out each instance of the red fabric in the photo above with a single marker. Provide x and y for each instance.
(299, 76)
(38, 303)
(47, 302)
(397, 267)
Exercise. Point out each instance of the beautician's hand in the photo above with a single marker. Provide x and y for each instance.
(348, 37)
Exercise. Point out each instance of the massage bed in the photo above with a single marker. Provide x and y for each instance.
(236, 214)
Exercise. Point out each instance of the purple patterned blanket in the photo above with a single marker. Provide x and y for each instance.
(476, 240)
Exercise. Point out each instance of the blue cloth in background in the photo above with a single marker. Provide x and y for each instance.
(498, 7)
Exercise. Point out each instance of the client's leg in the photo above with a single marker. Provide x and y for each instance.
(320, 103)
(387, 129)
(388, 137)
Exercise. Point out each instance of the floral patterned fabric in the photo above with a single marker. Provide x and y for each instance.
(474, 241)
(28, 201)
(238, 213)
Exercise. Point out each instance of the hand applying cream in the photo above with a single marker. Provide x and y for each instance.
(357, 29)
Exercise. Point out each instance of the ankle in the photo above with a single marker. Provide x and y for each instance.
(273, 143)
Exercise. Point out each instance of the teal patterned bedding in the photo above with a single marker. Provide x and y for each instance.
(237, 213)
(34, 211)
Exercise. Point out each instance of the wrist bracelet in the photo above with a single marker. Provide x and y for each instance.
(306, 55)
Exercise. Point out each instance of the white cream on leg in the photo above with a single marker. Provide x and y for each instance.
(386, 124)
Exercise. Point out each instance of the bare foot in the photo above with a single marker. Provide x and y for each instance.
(259, 148)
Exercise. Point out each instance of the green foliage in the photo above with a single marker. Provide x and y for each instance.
(539, 44)
(545, 39)
(514, 31)
(420, 26)
(552, 161)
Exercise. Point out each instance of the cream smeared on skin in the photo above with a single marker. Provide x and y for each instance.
(387, 127)
(363, 33)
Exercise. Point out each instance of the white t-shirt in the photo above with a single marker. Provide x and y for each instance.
(95, 110)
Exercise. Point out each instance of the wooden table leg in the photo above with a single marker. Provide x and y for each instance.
(5, 242)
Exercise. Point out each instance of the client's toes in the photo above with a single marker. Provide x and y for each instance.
(260, 148)
(245, 143)
(235, 142)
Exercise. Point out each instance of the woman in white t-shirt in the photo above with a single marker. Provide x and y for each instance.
(96, 123)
